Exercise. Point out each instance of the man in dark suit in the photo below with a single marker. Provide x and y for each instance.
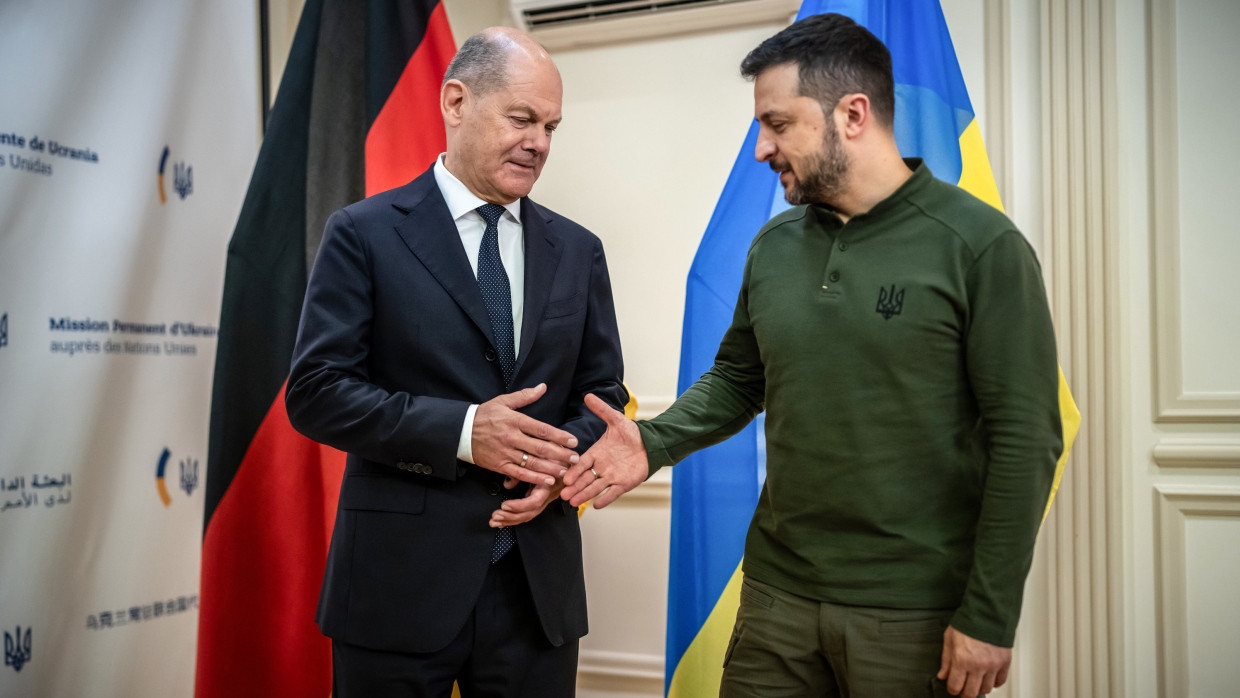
(451, 330)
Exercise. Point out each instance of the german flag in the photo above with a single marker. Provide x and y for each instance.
(357, 113)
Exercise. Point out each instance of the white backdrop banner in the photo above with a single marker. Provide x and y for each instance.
(127, 133)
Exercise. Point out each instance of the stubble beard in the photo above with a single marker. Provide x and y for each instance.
(826, 172)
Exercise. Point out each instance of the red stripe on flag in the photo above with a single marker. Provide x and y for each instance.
(407, 135)
(268, 545)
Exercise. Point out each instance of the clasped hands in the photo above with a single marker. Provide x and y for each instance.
(524, 449)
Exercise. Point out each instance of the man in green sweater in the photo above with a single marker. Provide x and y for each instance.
(896, 331)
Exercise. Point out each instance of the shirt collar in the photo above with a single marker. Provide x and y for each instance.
(459, 198)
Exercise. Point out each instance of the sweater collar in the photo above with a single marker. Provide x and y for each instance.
(916, 182)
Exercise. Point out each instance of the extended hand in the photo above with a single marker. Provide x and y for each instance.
(615, 464)
(517, 511)
(971, 667)
(519, 446)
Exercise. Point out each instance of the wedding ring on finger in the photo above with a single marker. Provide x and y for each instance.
(596, 475)
(525, 458)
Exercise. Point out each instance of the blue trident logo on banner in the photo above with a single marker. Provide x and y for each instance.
(183, 179)
(17, 649)
(189, 475)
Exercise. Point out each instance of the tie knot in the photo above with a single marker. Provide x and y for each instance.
(490, 213)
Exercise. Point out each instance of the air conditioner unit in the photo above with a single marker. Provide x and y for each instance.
(563, 24)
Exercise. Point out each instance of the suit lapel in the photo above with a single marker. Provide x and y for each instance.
(542, 256)
(431, 235)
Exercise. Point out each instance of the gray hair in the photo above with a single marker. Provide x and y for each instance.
(481, 64)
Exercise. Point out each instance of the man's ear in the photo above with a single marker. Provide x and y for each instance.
(452, 102)
(857, 114)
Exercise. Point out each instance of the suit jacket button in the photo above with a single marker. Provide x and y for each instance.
(490, 355)
(424, 469)
(493, 489)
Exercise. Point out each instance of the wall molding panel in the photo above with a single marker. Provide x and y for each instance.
(1197, 453)
(650, 407)
(621, 672)
(655, 491)
(1172, 402)
(1174, 505)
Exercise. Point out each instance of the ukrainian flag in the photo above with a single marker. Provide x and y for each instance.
(714, 491)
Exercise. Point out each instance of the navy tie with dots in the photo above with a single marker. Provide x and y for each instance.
(497, 295)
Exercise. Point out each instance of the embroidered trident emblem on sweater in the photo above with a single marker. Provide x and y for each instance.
(889, 302)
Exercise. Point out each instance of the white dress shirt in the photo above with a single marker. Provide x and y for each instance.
(462, 204)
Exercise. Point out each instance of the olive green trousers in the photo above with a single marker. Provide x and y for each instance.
(787, 646)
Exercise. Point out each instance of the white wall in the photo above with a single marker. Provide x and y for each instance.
(469, 16)
(650, 132)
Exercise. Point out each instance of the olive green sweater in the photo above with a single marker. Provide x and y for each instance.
(906, 362)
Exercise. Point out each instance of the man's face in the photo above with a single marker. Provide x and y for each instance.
(504, 136)
(798, 141)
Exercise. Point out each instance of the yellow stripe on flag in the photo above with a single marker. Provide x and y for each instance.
(976, 177)
(701, 666)
(1071, 418)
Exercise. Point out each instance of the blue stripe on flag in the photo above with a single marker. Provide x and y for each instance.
(714, 491)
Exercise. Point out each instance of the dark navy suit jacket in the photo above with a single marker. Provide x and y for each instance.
(394, 345)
